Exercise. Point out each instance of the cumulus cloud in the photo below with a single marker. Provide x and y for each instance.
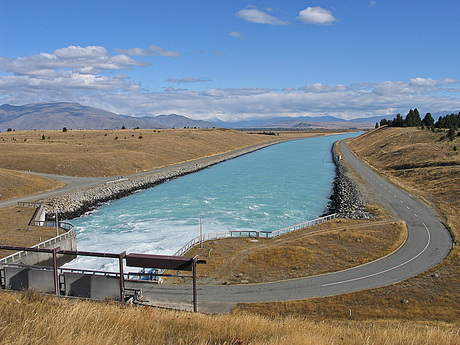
(316, 15)
(254, 15)
(149, 51)
(64, 72)
(73, 52)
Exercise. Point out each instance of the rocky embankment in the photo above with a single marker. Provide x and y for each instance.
(346, 199)
(75, 204)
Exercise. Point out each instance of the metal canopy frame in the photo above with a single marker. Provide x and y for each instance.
(178, 263)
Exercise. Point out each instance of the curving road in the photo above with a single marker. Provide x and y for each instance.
(428, 243)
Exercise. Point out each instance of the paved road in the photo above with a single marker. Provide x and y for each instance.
(428, 243)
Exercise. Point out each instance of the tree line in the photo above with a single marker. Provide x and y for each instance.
(413, 119)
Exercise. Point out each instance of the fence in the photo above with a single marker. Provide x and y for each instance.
(52, 224)
(251, 233)
(45, 244)
(28, 204)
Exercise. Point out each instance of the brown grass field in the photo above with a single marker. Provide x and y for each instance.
(16, 231)
(91, 153)
(368, 317)
(333, 246)
(15, 184)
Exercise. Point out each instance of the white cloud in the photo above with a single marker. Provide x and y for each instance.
(237, 34)
(187, 80)
(316, 15)
(254, 15)
(149, 51)
(91, 76)
(73, 52)
(319, 88)
(64, 72)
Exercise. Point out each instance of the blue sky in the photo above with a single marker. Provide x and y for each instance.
(233, 60)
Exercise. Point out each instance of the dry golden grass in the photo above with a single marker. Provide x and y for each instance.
(120, 152)
(31, 318)
(328, 247)
(16, 231)
(421, 162)
(15, 184)
(433, 295)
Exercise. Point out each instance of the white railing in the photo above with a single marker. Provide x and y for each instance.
(247, 233)
(45, 244)
(28, 204)
(52, 224)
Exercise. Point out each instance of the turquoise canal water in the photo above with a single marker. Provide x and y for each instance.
(272, 188)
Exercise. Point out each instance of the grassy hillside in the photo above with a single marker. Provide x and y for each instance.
(94, 153)
(114, 152)
(15, 184)
(422, 162)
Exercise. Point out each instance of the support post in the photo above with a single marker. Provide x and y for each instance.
(195, 302)
(122, 278)
(56, 277)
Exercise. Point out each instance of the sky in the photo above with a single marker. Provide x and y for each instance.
(233, 60)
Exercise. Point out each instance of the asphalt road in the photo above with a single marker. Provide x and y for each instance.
(428, 243)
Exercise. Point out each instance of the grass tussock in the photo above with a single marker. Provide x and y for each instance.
(31, 318)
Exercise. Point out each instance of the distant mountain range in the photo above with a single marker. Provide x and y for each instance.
(57, 115)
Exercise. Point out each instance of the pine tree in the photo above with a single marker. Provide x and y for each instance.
(428, 120)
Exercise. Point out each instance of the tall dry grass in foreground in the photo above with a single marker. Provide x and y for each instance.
(31, 318)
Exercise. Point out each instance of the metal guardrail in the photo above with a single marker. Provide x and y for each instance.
(251, 233)
(45, 244)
